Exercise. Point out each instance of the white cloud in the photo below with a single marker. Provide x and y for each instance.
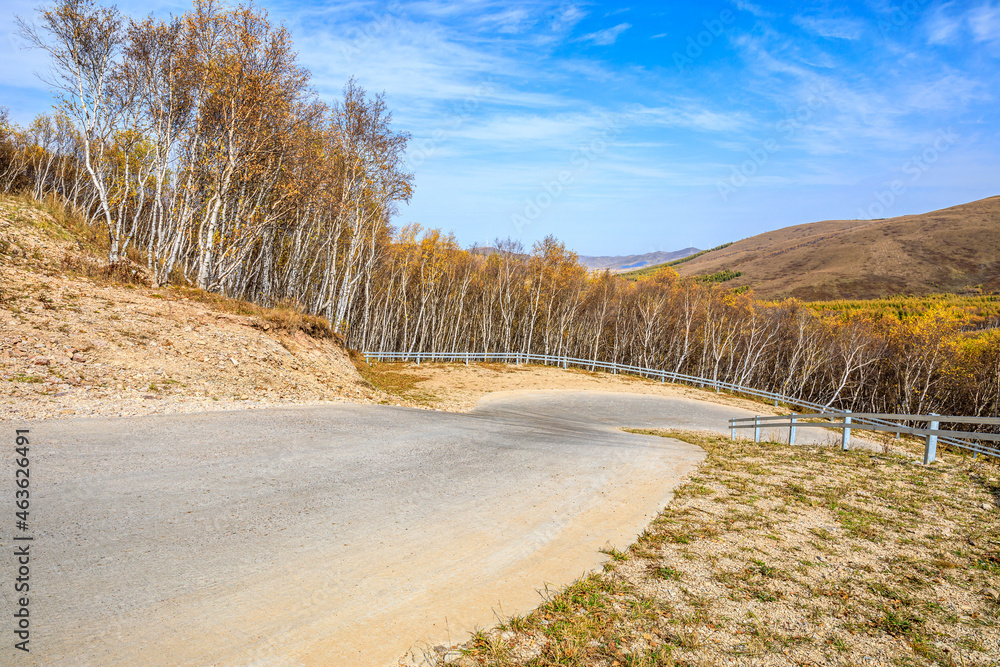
(750, 7)
(690, 116)
(942, 28)
(533, 130)
(567, 17)
(981, 23)
(825, 26)
(984, 22)
(606, 37)
(511, 21)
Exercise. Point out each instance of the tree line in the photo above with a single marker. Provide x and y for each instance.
(431, 295)
(198, 148)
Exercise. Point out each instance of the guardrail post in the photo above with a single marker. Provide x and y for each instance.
(366, 359)
(732, 429)
(930, 450)
(756, 429)
(845, 440)
(791, 429)
(418, 360)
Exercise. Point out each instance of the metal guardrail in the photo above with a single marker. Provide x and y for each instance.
(868, 421)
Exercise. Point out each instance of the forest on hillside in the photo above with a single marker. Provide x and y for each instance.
(198, 149)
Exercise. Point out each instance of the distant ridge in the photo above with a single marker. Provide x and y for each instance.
(953, 250)
(489, 250)
(632, 262)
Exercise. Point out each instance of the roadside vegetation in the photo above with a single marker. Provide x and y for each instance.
(779, 555)
(396, 380)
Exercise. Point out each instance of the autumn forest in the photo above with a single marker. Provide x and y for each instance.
(198, 149)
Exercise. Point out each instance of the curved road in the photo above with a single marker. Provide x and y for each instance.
(335, 535)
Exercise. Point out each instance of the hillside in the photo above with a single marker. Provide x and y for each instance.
(627, 262)
(952, 250)
(74, 341)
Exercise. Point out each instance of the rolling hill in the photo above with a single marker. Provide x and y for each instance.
(955, 249)
(627, 262)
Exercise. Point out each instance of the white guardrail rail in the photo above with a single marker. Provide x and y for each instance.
(980, 443)
(873, 421)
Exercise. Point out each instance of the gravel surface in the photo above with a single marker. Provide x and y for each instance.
(332, 534)
(75, 346)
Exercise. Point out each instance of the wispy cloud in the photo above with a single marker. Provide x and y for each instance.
(825, 26)
(950, 25)
(942, 28)
(984, 22)
(567, 17)
(606, 37)
(513, 20)
(752, 8)
(531, 131)
(691, 116)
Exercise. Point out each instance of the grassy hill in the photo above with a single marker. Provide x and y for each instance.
(955, 249)
(620, 263)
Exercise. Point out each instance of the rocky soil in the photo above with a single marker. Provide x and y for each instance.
(77, 345)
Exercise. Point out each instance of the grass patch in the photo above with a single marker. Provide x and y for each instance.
(387, 377)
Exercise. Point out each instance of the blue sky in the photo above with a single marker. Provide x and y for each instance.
(628, 128)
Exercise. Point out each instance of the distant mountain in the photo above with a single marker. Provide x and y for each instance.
(631, 262)
(955, 249)
(489, 250)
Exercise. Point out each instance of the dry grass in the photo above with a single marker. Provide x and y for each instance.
(951, 250)
(74, 248)
(91, 341)
(59, 220)
(397, 379)
(285, 316)
(778, 555)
